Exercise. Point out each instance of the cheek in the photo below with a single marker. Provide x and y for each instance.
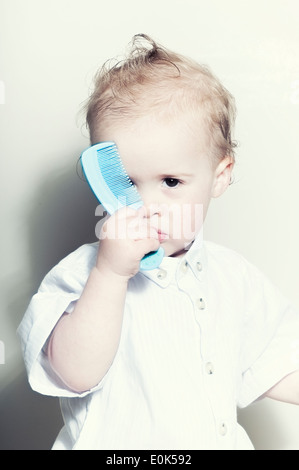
(186, 220)
(193, 217)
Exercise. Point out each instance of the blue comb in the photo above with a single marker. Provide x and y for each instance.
(113, 188)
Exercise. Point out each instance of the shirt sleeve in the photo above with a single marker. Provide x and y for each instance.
(58, 293)
(270, 339)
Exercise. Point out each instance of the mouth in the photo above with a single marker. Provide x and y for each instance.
(162, 236)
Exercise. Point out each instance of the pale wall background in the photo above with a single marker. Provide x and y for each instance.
(49, 53)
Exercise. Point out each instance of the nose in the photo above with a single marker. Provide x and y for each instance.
(153, 201)
(150, 203)
(153, 210)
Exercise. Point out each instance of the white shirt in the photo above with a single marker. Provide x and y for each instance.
(201, 336)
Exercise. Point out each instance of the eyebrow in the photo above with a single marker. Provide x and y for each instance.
(176, 174)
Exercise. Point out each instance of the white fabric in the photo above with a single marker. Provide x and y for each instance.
(201, 336)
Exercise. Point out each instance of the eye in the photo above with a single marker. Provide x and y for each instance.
(171, 182)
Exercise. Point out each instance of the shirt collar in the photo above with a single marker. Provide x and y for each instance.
(174, 268)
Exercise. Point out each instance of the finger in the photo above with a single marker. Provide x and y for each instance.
(145, 246)
(140, 229)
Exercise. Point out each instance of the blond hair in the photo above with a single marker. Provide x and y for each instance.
(155, 79)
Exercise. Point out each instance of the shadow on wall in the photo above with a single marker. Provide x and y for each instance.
(262, 426)
(29, 421)
(60, 219)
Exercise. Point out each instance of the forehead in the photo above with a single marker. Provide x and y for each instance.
(163, 142)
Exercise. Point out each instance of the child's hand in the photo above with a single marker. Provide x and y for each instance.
(125, 238)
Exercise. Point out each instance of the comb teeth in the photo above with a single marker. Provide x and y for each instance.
(116, 177)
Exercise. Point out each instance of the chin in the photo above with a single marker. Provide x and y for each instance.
(175, 251)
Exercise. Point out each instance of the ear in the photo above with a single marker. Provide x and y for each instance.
(223, 175)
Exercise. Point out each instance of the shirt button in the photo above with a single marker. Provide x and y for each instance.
(199, 266)
(161, 274)
(222, 429)
(184, 267)
(200, 304)
(209, 368)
